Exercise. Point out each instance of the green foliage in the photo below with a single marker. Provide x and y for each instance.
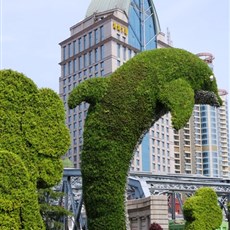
(67, 163)
(202, 211)
(122, 108)
(32, 129)
(19, 207)
(51, 212)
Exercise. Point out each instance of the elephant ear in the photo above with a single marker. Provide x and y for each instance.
(178, 97)
(90, 91)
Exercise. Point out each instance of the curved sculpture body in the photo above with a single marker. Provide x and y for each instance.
(33, 137)
(122, 108)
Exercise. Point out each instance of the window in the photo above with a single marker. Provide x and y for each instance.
(79, 44)
(85, 60)
(75, 125)
(96, 55)
(80, 132)
(74, 65)
(70, 67)
(85, 73)
(90, 58)
(101, 33)
(102, 72)
(64, 70)
(124, 53)
(102, 52)
(96, 39)
(65, 54)
(118, 50)
(80, 62)
(90, 39)
(85, 41)
(70, 49)
(96, 68)
(74, 47)
(159, 167)
(75, 117)
(130, 53)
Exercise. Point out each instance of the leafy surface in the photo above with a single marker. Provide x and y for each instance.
(122, 108)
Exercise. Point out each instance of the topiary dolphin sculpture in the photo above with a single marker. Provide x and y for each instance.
(122, 108)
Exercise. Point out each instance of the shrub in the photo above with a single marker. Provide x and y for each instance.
(33, 137)
(202, 211)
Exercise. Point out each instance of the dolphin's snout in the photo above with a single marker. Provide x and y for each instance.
(206, 97)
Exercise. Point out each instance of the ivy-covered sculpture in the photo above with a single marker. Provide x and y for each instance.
(33, 137)
(122, 108)
(202, 211)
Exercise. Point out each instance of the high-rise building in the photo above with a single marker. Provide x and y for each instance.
(112, 32)
(223, 131)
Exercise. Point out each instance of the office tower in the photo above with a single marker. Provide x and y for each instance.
(112, 32)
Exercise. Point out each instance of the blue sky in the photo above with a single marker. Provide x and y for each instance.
(31, 31)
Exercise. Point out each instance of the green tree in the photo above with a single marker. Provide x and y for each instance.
(201, 211)
(32, 131)
(52, 213)
(67, 163)
(122, 108)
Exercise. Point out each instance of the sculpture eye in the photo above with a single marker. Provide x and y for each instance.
(211, 77)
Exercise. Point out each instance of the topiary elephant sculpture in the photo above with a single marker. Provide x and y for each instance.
(122, 108)
(33, 137)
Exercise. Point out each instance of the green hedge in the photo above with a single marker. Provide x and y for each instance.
(122, 108)
(19, 208)
(32, 129)
(202, 211)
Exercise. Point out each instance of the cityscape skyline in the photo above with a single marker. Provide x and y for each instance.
(97, 46)
(85, 53)
(27, 27)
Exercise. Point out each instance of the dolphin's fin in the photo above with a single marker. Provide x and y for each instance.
(178, 97)
(90, 91)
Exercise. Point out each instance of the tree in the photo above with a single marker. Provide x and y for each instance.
(33, 137)
(52, 213)
(122, 109)
(67, 163)
(201, 211)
